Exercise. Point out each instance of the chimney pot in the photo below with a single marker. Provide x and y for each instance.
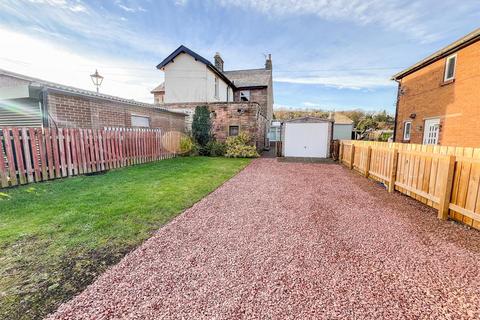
(218, 61)
(268, 62)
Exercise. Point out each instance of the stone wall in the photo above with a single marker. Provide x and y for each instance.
(256, 95)
(67, 110)
(245, 115)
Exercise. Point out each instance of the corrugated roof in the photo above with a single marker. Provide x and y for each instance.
(455, 46)
(93, 94)
(249, 78)
(340, 118)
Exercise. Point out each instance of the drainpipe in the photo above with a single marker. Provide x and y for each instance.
(44, 105)
(396, 107)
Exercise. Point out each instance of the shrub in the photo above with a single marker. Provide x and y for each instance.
(202, 126)
(217, 149)
(187, 146)
(213, 149)
(240, 147)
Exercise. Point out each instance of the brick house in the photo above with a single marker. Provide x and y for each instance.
(438, 99)
(31, 102)
(239, 100)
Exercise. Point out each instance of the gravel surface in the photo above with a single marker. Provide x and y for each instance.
(294, 241)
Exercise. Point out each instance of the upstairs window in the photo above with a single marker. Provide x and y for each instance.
(245, 95)
(407, 130)
(450, 65)
(216, 87)
(140, 121)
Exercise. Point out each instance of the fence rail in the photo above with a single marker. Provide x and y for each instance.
(30, 155)
(445, 178)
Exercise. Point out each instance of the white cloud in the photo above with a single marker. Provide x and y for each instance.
(346, 81)
(131, 9)
(410, 17)
(181, 3)
(74, 6)
(68, 18)
(124, 78)
(309, 104)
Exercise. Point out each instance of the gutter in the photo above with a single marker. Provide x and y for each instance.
(435, 57)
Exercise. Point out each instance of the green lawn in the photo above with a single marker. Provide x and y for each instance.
(56, 237)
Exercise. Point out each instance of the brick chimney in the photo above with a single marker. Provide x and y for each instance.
(268, 62)
(218, 61)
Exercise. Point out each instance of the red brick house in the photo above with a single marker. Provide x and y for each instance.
(31, 102)
(439, 97)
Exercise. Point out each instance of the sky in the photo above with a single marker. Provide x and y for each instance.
(331, 55)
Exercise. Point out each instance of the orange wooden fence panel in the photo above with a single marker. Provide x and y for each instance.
(35, 154)
(444, 177)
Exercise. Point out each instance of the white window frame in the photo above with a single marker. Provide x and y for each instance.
(405, 136)
(245, 93)
(217, 87)
(453, 56)
(139, 116)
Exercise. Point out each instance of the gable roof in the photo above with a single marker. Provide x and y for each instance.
(340, 118)
(250, 78)
(159, 88)
(467, 40)
(52, 86)
(308, 119)
(196, 56)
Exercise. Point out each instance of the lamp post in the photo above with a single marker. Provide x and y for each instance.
(97, 79)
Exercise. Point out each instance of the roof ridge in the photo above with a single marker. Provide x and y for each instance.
(75, 90)
(258, 69)
(473, 36)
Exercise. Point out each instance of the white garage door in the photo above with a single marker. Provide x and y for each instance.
(307, 140)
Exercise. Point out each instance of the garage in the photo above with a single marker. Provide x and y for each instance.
(307, 138)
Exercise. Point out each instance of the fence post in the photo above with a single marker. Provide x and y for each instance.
(369, 158)
(340, 152)
(446, 190)
(393, 171)
(352, 155)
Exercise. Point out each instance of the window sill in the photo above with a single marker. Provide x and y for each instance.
(447, 82)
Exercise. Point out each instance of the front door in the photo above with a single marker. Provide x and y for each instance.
(431, 132)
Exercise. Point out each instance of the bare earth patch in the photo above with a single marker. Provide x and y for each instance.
(294, 240)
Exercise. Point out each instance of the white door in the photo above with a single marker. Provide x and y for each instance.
(306, 140)
(431, 132)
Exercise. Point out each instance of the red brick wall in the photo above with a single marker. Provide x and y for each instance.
(457, 103)
(85, 112)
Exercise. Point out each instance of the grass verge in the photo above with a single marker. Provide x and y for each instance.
(57, 237)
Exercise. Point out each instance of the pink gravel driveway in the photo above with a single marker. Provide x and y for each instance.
(294, 241)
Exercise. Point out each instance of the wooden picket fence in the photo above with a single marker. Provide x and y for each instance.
(30, 155)
(443, 177)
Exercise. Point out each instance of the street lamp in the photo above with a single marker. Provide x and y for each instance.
(97, 79)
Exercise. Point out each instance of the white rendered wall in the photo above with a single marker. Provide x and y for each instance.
(188, 80)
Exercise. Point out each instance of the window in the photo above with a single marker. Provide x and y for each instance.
(450, 65)
(245, 95)
(140, 121)
(407, 129)
(216, 87)
(233, 130)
